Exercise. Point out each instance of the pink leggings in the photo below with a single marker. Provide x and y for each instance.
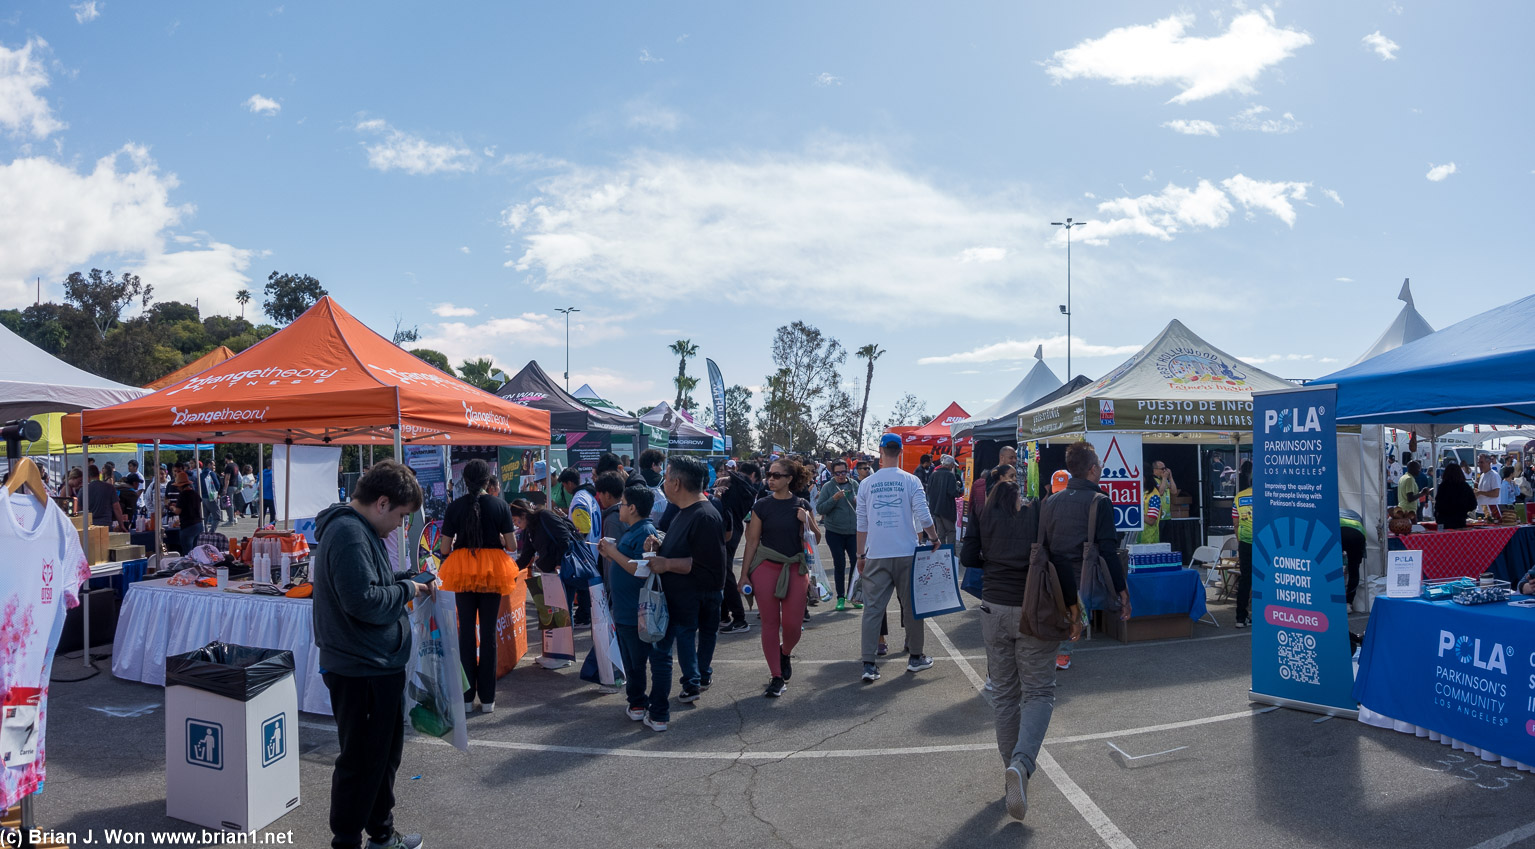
(789, 611)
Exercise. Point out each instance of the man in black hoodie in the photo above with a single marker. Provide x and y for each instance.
(361, 629)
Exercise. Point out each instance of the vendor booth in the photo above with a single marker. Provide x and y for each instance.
(934, 438)
(581, 433)
(648, 435)
(1458, 671)
(325, 379)
(684, 434)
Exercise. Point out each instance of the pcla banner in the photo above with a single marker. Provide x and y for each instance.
(1300, 625)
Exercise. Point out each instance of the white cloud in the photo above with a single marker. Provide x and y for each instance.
(118, 215)
(1344, 279)
(1162, 53)
(1273, 198)
(1192, 127)
(683, 37)
(412, 154)
(86, 12)
(263, 105)
(450, 311)
(825, 79)
(646, 116)
(505, 340)
(463, 249)
(660, 229)
(1251, 119)
(982, 254)
(1384, 47)
(1394, 8)
(24, 112)
(1055, 346)
(1287, 358)
(1436, 173)
(210, 275)
(646, 58)
(1160, 215)
(1149, 176)
(1333, 196)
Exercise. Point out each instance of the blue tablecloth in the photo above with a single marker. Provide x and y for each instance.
(1517, 557)
(1463, 672)
(1161, 593)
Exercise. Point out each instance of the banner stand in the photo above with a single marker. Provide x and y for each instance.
(1300, 645)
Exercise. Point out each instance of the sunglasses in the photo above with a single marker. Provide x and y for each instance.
(778, 475)
(840, 472)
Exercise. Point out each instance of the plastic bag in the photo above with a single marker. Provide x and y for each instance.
(434, 678)
(234, 672)
(820, 586)
(654, 615)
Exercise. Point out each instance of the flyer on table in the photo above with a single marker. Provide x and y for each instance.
(1300, 641)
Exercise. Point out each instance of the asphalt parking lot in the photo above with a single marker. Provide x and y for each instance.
(1152, 745)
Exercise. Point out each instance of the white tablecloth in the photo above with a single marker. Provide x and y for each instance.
(158, 620)
(1379, 720)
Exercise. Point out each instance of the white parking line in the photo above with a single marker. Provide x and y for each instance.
(1507, 839)
(811, 754)
(1107, 830)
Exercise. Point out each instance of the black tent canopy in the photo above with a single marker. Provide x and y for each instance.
(532, 387)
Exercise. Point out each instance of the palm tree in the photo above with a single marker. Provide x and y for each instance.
(871, 353)
(685, 387)
(683, 348)
(480, 373)
(244, 297)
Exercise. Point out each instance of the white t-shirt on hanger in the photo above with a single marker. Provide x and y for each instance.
(44, 567)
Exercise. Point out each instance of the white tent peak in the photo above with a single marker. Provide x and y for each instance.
(586, 391)
(1039, 382)
(1039, 354)
(1408, 326)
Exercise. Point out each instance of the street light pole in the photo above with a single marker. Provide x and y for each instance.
(1066, 307)
(567, 311)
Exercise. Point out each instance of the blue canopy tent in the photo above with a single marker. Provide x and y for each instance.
(1475, 372)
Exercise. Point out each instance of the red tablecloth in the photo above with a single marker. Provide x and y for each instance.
(1459, 554)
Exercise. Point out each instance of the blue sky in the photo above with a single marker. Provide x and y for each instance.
(885, 171)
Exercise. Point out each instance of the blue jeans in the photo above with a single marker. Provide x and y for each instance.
(698, 659)
(635, 653)
(681, 631)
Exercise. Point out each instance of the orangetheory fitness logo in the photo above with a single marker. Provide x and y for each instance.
(486, 419)
(274, 376)
(223, 414)
(406, 378)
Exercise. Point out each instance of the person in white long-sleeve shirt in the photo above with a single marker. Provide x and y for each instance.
(891, 508)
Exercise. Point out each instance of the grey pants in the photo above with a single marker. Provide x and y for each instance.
(882, 575)
(945, 529)
(1022, 672)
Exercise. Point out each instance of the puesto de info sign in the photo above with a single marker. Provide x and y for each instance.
(1300, 624)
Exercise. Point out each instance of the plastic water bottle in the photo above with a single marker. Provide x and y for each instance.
(746, 589)
(285, 570)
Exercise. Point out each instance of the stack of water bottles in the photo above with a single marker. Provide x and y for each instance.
(1154, 557)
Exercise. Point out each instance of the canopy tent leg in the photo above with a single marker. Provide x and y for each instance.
(404, 554)
(157, 507)
(287, 486)
(85, 502)
(260, 484)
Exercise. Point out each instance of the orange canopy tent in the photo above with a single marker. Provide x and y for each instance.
(933, 438)
(197, 366)
(324, 379)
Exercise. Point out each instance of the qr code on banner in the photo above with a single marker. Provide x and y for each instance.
(1297, 658)
(1403, 579)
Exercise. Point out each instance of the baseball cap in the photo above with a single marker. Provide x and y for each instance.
(1059, 480)
(730, 464)
(890, 440)
(948, 460)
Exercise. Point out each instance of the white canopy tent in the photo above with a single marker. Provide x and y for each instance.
(32, 381)
(1408, 326)
(1039, 382)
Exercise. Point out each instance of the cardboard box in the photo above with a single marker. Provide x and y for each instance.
(1137, 628)
(78, 521)
(120, 553)
(119, 540)
(231, 765)
(95, 547)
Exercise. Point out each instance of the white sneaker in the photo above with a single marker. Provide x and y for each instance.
(468, 707)
(608, 689)
(551, 663)
(487, 707)
(654, 725)
(635, 714)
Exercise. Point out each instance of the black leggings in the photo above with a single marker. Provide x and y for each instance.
(481, 673)
(733, 609)
(844, 556)
(1353, 556)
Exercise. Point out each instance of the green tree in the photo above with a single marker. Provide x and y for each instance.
(683, 348)
(244, 297)
(908, 411)
(481, 373)
(685, 386)
(289, 295)
(167, 312)
(44, 325)
(803, 403)
(738, 419)
(102, 296)
(403, 334)
(435, 359)
(870, 352)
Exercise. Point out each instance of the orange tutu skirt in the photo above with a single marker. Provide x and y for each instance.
(479, 570)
